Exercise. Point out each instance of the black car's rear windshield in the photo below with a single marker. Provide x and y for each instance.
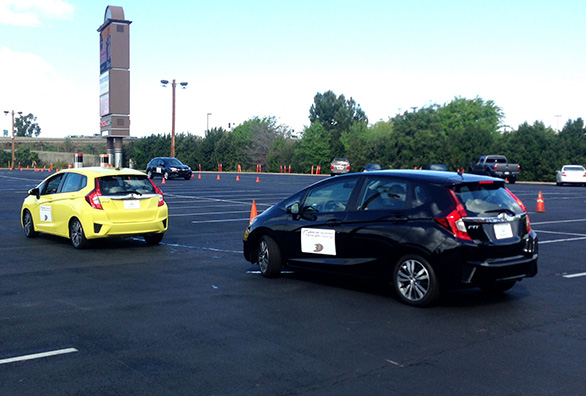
(125, 184)
(486, 199)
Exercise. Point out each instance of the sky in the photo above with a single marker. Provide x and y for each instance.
(254, 58)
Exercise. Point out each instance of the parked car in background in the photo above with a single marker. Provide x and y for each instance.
(571, 174)
(421, 231)
(89, 203)
(495, 166)
(436, 167)
(168, 168)
(372, 167)
(339, 166)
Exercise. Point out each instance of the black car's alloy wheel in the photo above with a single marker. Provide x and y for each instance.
(414, 281)
(269, 257)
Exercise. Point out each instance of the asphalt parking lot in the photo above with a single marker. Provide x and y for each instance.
(192, 317)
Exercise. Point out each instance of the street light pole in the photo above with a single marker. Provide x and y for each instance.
(173, 85)
(19, 113)
(208, 129)
(173, 122)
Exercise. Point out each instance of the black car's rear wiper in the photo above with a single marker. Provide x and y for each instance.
(501, 210)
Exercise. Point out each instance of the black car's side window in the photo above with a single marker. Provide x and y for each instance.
(330, 197)
(383, 194)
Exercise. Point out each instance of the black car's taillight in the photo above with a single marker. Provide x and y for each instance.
(523, 208)
(452, 219)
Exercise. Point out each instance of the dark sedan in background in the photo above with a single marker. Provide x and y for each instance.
(419, 230)
(168, 168)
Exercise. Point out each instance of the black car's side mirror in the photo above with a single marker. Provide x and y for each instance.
(35, 191)
(293, 208)
(307, 212)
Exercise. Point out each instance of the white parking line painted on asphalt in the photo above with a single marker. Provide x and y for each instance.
(231, 201)
(574, 275)
(260, 273)
(218, 221)
(38, 355)
(208, 213)
(562, 240)
(201, 248)
(560, 233)
(556, 222)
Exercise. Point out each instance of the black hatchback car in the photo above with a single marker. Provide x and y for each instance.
(168, 168)
(421, 231)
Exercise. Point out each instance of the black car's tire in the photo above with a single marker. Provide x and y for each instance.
(512, 180)
(498, 287)
(414, 281)
(29, 226)
(153, 239)
(76, 234)
(269, 257)
(188, 177)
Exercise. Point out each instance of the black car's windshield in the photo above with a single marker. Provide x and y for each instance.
(126, 184)
(488, 199)
(173, 161)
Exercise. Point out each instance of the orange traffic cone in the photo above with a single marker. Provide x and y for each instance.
(218, 178)
(192, 175)
(253, 212)
(164, 181)
(257, 179)
(540, 204)
(199, 175)
(237, 178)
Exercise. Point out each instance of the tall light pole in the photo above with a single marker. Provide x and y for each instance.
(209, 114)
(6, 112)
(173, 85)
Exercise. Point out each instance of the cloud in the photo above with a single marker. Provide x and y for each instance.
(30, 13)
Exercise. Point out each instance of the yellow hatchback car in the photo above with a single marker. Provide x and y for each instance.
(89, 203)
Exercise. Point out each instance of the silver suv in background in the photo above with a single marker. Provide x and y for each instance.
(339, 166)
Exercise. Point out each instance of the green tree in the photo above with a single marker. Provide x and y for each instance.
(27, 126)
(368, 144)
(534, 147)
(313, 149)
(471, 127)
(210, 158)
(25, 156)
(5, 158)
(420, 138)
(573, 142)
(336, 115)
(281, 153)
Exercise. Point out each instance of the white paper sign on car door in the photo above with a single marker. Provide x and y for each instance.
(318, 241)
(45, 214)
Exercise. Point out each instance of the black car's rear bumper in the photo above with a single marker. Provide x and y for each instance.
(511, 268)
